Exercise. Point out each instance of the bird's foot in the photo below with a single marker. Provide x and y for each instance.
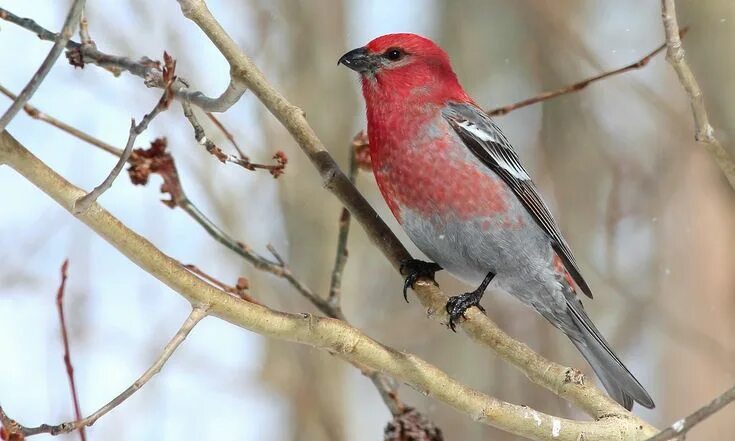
(457, 305)
(414, 269)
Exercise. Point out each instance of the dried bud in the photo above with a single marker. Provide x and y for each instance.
(281, 161)
(75, 57)
(155, 159)
(242, 283)
(411, 425)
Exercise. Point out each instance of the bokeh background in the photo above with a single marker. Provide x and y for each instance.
(647, 212)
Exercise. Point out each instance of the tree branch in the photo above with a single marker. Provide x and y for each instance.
(332, 335)
(703, 131)
(145, 68)
(67, 351)
(684, 425)
(579, 85)
(196, 315)
(60, 41)
(34, 113)
(163, 103)
(243, 161)
(340, 259)
(563, 381)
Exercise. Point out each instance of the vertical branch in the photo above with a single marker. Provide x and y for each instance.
(67, 352)
(704, 133)
(72, 19)
(335, 288)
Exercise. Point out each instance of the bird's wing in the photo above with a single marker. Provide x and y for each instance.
(489, 145)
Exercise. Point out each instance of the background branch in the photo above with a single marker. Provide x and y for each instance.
(67, 351)
(703, 131)
(681, 427)
(576, 87)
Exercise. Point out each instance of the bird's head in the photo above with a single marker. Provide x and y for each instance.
(404, 65)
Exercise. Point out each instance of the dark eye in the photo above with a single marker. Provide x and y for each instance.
(394, 54)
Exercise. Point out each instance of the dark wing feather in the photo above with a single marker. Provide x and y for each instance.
(489, 145)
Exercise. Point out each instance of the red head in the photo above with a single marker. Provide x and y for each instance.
(397, 67)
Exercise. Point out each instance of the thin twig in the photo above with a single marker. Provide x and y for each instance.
(239, 290)
(340, 260)
(84, 37)
(388, 390)
(34, 113)
(684, 425)
(144, 68)
(60, 41)
(703, 131)
(579, 85)
(196, 315)
(243, 161)
(227, 133)
(67, 351)
(84, 202)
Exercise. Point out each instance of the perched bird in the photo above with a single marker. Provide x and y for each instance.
(457, 187)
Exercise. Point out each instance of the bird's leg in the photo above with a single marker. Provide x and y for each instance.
(414, 269)
(457, 305)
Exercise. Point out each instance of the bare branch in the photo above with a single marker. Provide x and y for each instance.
(85, 201)
(227, 134)
(196, 315)
(60, 40)
(703, 131)
(579, 85)
(135, 130)
(67, 352)
(239, 290)
(84, 30)
(243, 161)
(684, 425)
(144, 68)
(34, 113)
(340, 259)
(332, 335)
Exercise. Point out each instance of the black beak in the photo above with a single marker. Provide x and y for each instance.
(359, 60)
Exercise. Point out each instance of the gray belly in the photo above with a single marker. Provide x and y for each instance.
(512, 246)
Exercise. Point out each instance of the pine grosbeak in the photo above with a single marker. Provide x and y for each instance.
(455, 184)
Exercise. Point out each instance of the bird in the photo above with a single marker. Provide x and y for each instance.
(457, 187)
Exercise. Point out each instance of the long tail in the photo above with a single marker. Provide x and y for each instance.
(617, 379)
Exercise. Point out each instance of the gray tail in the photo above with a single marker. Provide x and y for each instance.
(617, 379)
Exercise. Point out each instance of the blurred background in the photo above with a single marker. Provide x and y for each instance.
(647, 212)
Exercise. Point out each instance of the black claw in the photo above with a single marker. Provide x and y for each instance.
(414, 269)
(458, 305)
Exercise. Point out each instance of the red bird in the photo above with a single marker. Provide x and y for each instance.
(457, 187)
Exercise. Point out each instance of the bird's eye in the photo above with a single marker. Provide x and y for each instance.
(394, 54)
